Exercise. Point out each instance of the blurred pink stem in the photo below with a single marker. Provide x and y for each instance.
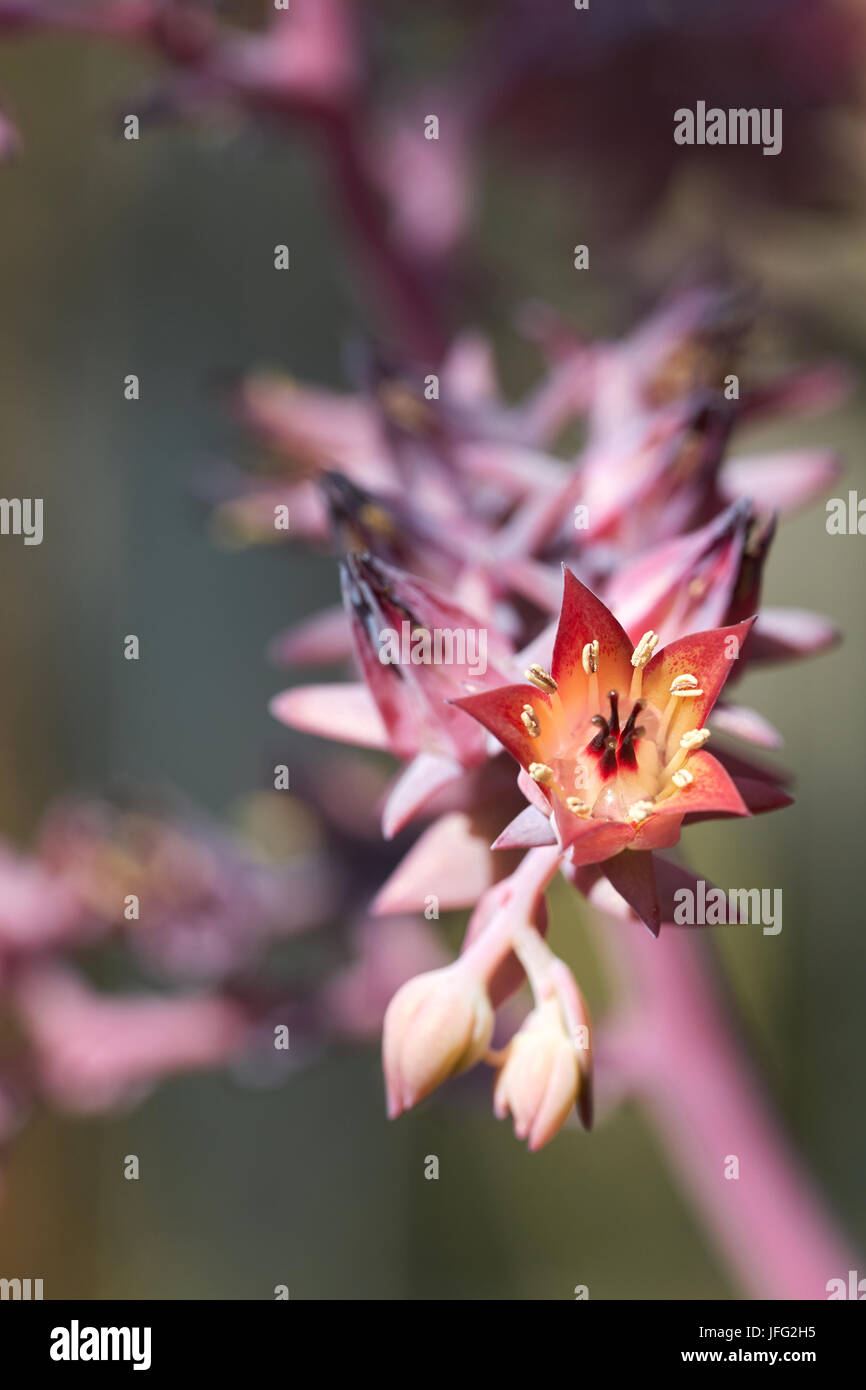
(410, 297)
(706, 1107)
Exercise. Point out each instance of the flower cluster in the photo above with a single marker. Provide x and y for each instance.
(619, 598)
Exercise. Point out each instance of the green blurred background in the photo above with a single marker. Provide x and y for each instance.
(155, 257)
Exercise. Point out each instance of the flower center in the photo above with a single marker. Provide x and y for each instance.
(614, 747)
(626, 768)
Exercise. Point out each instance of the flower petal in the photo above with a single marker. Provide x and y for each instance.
(710, 657)
(633, 876)
(321, 640)
(747, 724)
(345, 712)
(712, 790)
(782, 634)
(417, 784)
(499, 711)
(683, 584)
(451, 861)
(657, 832)
(584, 618)
(782, 481)
(759, 797)
(528, 829)
(591, 841)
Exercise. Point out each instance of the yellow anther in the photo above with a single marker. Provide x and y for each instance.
(529, 721)
(683, 778)
(589, 657)
(639, 810)
(644, 649)
(540, 772)
(695, 738)
(541, 679)
(684, 687)
(578, 807)
(639, 658)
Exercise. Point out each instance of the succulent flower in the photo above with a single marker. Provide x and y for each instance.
(612, 739)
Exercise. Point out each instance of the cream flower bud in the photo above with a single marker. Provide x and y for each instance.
(437, 1024)
(540, 1078)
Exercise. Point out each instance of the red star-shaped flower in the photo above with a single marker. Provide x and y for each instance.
(611, 740)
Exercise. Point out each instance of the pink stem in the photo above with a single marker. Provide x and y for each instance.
(409, 296)
(513, 902)
(707, 1108)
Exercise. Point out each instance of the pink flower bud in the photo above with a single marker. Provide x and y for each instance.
(541, 1076)
(437, 1024)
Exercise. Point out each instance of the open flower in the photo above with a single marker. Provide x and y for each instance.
(612, 740)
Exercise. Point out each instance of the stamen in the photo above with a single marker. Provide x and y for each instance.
(683, 687)
(661, 736)
(695, 738)
(578, 807)
(690, 741)
(541, 773)
(644, 649)
(639, 658)
(639, 810)
(529, 720)
(590, 659)
(681, 780)
(541, 679)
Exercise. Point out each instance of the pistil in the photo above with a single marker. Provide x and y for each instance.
(607, 766)
(627, 753)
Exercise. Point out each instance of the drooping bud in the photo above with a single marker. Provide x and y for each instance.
(541, 1076)
(437, 1025)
